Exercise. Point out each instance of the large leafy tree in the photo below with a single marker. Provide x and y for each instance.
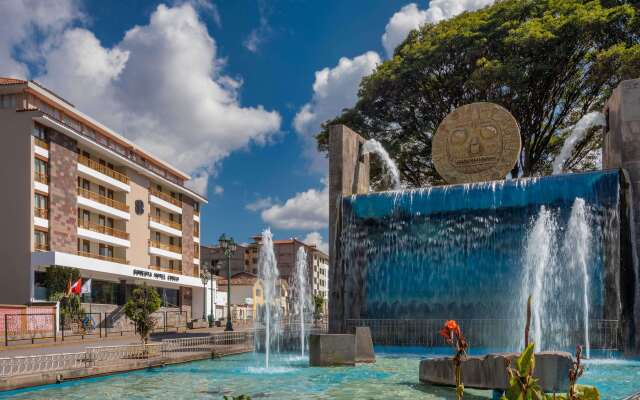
(547, 61)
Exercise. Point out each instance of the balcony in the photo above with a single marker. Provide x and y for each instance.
(167, 226)
(105, 230)
(165, 250)
(41, 143)
(41, 147)
(41, 213)
(176, 271)
(103, 234)
(41, 217)
(107, 176)
(102, 204)
(165, 201)
(103, 258)
(41, 246)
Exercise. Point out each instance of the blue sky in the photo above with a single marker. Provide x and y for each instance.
(257, 64)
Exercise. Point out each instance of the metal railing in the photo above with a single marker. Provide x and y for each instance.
(104, 258)
(167, 222)
(102, 199)
(165, 246)
(41, 143)
(29, 326)
(103, 229)
(41, 177)
(499, 333)
(166, 197)
(41, 213)
(244, 340)
(41, 246)
(103, 169)
(87, 325)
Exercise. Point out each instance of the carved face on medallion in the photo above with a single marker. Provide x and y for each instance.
(476, 142)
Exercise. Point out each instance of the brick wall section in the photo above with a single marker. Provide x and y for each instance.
(63, 177)
(187, 236)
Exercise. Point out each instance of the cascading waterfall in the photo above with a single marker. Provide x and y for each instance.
(476, 252)
(578, 246)
(373, 146)
(269, 275)
(301, 291)
(578, 132)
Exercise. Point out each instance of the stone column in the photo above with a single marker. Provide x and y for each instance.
(348, 174)
(621, 149)
(63, 180)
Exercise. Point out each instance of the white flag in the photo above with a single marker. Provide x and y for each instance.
(86, 287)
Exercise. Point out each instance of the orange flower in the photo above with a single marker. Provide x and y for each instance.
(450, 329)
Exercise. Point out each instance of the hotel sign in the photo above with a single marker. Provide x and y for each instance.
(155, 275)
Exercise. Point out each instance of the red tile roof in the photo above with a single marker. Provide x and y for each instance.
(10, 81)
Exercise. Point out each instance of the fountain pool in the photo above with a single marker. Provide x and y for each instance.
(393, 376)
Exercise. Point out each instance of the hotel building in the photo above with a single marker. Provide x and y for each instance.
(77, 194)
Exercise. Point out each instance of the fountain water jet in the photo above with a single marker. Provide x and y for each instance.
(301, 289)
(269, 275)
(373, 146)
(578, 132)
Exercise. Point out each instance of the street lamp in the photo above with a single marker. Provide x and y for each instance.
(205, 276)
(229, 247)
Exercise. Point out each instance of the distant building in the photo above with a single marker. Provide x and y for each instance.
(247, 295)
(213, 254)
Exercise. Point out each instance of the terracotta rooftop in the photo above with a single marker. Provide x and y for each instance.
(10, 81)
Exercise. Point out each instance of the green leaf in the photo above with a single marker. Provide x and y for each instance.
(526, 361)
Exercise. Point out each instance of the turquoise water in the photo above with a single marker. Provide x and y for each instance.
(393, 376)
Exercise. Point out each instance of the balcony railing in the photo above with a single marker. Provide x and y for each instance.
(41, 143)
(165, 246)
(41, 177)
(103, 169)
(196, 251)
(102, 199)
(41, 213)
(166, 197)
(41, 246)
(103, 229)
(167, 222)
(166, 269)
(104, 258)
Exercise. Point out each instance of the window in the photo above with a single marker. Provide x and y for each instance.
(102, 220)
(40, 166)
(171, 264)
(158, 213)
(40, 132)
(86, 246)
(86, 154)
(86, 216)
(110, 194)
(102, 191)
(40, 201)
(110, 223)
(41, 239)
(106, 251)
(8, 101)
(157, 261)
(171, 241)
(157, 236)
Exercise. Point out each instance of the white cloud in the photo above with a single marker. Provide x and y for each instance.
(333, 90)
(410, 17)
(219, 190)
(162, 86)
(315, 238)
(261, 33)
(305, 211)
(260, 204)
(27, 27)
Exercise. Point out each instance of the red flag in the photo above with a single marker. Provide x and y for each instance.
(76, 288)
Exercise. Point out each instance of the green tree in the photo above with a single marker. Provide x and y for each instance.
(139, 308)
(318, 306)
(549, 62)
(56, 279)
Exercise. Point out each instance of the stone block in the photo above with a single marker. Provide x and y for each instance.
(364, 345)
(328, 350)
(490, 372)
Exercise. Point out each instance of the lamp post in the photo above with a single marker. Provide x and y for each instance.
(229, 247)
(205, 275)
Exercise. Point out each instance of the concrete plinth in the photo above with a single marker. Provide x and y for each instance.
(332, 350)
(490, 372)
(364, 345)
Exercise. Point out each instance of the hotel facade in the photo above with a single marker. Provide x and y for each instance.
(77, 194)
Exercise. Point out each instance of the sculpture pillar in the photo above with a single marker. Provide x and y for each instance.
(348, 174)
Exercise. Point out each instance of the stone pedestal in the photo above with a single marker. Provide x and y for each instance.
(348, 174)
(621, 149)
(490, 372)
(332, 350)
(364, 345)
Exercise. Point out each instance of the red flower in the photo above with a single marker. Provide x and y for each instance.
(450, 329)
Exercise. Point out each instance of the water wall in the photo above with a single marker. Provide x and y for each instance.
(477, 251)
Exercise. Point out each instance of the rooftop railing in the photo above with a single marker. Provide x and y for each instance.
(103, 169)
(102, 199)
(166, 197)
(165, 246)
(103, 229)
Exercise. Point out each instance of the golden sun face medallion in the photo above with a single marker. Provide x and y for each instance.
(476, 142)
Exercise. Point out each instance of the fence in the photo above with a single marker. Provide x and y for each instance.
(498, 333)
(88, 324)
(29, 326)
